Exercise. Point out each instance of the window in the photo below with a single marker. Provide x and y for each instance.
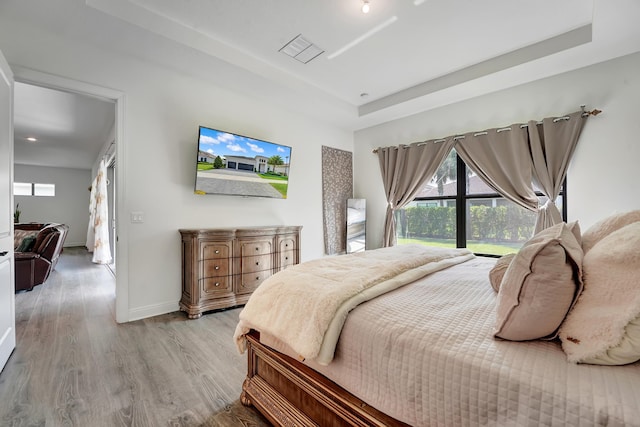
(22, 189)
(33, 189)
(486, 223)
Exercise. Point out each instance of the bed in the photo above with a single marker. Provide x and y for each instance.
(425, 354)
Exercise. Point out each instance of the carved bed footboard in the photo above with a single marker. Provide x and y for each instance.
(289, 393)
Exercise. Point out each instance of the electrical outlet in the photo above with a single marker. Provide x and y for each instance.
(137, 217)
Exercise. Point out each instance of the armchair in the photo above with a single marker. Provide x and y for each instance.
(33, 267)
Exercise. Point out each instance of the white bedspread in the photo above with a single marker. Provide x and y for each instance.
(425, 355)
(306, 305)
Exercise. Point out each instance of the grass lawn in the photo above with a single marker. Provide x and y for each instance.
(204, 166)
(473, 245)
(270, 176)
(282, 188)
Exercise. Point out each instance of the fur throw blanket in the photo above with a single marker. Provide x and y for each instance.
(305, 306)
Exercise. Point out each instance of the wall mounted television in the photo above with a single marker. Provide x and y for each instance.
(237, 165)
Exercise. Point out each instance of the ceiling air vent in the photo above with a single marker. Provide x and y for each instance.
(301, 49)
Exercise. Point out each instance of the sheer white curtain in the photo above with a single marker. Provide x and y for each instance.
(98, 231)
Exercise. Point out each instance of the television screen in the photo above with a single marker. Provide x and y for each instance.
(237, 165)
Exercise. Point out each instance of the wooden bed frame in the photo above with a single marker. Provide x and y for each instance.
(289, 393)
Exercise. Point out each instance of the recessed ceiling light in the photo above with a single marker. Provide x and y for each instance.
(365, 6)
(32, 139)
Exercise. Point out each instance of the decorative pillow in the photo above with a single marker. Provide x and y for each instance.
(497, 272)
(604, 227)
(540, 286)
(27, 243)
(19, 235)
(575, 229)
(603, 327)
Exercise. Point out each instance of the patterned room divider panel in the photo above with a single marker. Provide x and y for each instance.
(337, 187)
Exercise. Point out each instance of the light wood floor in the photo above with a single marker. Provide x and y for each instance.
(74, 366)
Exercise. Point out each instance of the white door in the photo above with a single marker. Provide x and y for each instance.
(7, 290)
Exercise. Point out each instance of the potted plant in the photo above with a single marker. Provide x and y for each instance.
(16, 214)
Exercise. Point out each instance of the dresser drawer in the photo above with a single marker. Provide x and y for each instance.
(288, 243)
(255, 263)
(215, 286)
(215, 250)
(251, 280)
(287, 259)
(216, 267)
(255, 247)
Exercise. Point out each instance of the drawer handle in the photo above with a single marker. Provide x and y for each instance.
(286, 245)
(257, 249)
(257, 277)
(217, 284)
(217, 251)
(3, 253)
(257, 263)
(217, 267)
(286, 257)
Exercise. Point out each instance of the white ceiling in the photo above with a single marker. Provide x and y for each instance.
(419, 43)
(406, 55)
(70, 129)
(429, 53)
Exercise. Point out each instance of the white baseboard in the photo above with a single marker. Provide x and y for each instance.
(153, 310)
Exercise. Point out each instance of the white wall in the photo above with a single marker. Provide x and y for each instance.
(602, 177)
(69, 206)
(163, 109)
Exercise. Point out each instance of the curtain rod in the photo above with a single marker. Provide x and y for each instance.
(584, 114)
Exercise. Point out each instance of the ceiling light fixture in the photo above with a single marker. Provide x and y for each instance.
(32, 139)
(365, 6)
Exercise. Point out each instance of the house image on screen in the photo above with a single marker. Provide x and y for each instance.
(205, 157)
(252, 164)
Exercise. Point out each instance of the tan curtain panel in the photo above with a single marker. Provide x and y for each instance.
(500, 157)
(404, 171)
(507, 159)
(552, 144)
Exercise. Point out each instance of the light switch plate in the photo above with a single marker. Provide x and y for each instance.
(137, 217)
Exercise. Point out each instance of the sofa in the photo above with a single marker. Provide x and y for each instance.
(37, 247)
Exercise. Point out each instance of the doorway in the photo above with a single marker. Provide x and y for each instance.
(117, 234)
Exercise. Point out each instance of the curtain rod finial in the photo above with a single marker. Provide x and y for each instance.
(595, 112)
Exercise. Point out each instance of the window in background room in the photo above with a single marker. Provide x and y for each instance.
(21, 188)
(488, 224)
(33, 189)
(44, 190)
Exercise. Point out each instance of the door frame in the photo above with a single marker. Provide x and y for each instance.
(8, 330)
(38, 78)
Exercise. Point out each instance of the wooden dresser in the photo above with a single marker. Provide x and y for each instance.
(222, 267)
